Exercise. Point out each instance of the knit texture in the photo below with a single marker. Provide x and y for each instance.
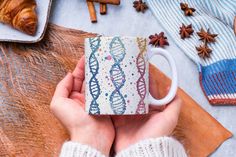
(217, 73)
(73, 149)
(159, 147)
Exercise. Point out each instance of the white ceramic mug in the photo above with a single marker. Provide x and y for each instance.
(117, 75)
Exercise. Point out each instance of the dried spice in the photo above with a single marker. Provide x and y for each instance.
(158, 40)
(204, 51)
(207, 37)
(183, 6)
(186, 31)
(187, 11)
(140, 6)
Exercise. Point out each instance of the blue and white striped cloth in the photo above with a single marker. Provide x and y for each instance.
(217, 73)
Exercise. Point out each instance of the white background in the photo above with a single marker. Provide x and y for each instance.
(123, 20)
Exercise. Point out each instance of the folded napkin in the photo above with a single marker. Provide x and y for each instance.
(217, 74)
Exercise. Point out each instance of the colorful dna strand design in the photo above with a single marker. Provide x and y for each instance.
(141, 66)
(117, 51)
(94, 87)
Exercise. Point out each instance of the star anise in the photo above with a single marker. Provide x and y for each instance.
(187, 11)
(183, 6)
(158, 40)
(204, 51)
(186, 31)
(207, 37)
(140, 6)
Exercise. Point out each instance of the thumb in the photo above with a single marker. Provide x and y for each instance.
(64, 87)
(173, 109)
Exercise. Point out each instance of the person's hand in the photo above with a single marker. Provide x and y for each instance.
(132, 129)
(68, 106)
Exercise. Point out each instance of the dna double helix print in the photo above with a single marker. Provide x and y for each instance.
(94, 87)
(141, 66)
(117, 76)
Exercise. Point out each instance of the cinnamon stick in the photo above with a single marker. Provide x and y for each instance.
(92, 11)
(103, 8)
(114, 2)
(235, 25)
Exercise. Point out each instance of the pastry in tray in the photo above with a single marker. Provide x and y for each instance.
(20, 14)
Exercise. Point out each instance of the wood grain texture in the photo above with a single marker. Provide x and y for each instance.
(28, 76)
(200, 133)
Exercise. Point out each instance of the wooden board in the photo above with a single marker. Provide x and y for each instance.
(28, 76)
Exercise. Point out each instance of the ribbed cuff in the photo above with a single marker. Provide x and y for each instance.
(159, 147)
(74, 149)
(218, 82)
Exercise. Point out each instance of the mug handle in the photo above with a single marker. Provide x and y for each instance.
(174, 85)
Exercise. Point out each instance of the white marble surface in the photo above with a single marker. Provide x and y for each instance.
(123, 20)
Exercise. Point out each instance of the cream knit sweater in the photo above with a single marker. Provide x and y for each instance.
(159, 147)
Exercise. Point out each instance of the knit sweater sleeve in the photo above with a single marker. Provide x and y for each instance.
(159, 147)
(74, 149)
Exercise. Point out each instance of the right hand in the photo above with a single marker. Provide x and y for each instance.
(132, 129)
